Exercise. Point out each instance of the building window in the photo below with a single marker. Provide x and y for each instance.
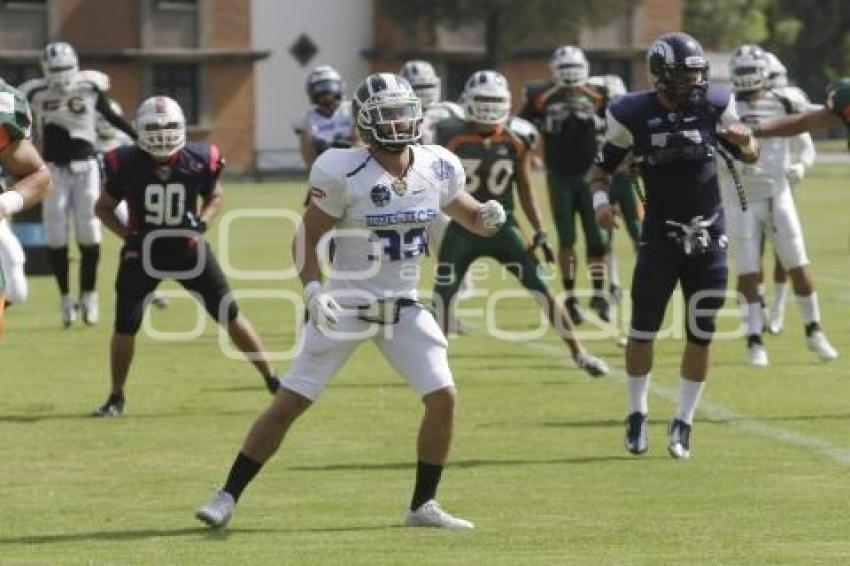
(172, 24)
(17, 74)
(182, 83)
(23, 24)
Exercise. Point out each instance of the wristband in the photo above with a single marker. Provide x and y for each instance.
(599, 198)
(11, 202)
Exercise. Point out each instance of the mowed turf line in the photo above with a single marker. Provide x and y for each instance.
(537, 463)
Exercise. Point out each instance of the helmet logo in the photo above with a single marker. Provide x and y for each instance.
(663, 49)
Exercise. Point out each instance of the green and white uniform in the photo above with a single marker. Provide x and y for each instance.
(490, 163)
(15, 121)
(838, 102)
(569, 120)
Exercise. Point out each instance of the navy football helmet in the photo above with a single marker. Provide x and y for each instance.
(679, 68)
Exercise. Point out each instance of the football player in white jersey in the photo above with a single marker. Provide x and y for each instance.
(65, 104)
(803, 152)
(770, 210)
(328, 123)
(428, 87)
(378, 200)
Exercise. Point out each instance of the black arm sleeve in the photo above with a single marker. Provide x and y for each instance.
(116, 120)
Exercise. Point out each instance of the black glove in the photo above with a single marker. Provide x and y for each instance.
(541, 240)
(196, 224)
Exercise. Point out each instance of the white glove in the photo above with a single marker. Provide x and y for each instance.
(795, 173)
(492, 214)
(321, 307)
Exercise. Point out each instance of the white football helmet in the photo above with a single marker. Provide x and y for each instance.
(487, 98)
(60, 65)
(776, 72)
(387, 111)
(161, 126)
(324, 80)
(569, 66)
(748, 69)
(104, 129)
(424, 80)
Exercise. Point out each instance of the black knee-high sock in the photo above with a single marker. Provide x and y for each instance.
(88, 266)
(58, 258)
(241, 473)
(427, 479)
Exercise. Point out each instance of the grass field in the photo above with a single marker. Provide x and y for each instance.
(537, 463)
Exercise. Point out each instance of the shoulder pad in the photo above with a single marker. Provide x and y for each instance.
(98, 79)
(14, 112)
(524, 130)
(447, 128)
(31, 85)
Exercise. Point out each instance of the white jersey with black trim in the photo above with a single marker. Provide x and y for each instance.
(336, 128)
(381, 233)
(767, 177)
(73, 111)
(436, 113)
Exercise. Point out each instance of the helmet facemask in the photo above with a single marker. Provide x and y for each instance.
(60, 66)
(428, 93)
(391, 120)
(486, 98)
(686, 85)
(569, 66)
(161, 127)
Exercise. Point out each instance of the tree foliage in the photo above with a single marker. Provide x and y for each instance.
(812, 37)
(507, 22)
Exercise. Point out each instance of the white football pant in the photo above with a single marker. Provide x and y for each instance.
(415, 347)
(777, 219)
(12, 261)
(76, 187)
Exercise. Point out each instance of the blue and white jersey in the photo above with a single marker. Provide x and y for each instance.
(676, 152)
(380, 236)
(335, 130)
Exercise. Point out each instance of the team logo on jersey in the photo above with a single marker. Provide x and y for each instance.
(77, 105)
(442, 170)
(380, 195)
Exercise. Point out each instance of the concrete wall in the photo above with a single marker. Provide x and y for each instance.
(340, 29)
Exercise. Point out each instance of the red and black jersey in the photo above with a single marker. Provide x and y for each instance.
(162, 197)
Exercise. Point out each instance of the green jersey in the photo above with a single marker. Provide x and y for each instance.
(838, 102)
(569, 119)
(15, 118)
(490, 161)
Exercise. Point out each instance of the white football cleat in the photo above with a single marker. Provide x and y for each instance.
(817, 343)
(593, 366)
(776, 322)
(430, 514)
(217, 511)
(89, 306)
(679, 436)
(756, 353)
(68, 306)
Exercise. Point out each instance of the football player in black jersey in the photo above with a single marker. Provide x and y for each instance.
(161, 178)
(676, 133)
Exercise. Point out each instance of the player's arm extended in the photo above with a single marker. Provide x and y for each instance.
(32, 182)
(104, 209)
(527, 198)
(315, 223)
(471, 214)
(211, 204)
(102, 105)
(794, 124)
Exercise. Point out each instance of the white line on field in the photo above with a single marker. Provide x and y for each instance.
(716, 411)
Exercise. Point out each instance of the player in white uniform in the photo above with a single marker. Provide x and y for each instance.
(378, 199)
(328, 123)
(803, 152)
(427, 86)
(770, 211)
(65, 104)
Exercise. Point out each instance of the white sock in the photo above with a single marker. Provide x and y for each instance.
(638, 393)
(780, 297)
(761, 290)
(809, 308)
(613, 274)
(755, 321)
(689, 394)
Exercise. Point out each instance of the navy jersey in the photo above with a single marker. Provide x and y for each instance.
(677, 153)
(162, 196)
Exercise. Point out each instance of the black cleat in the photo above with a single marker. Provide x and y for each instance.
(637, 440)
(113, 407)
(679, 434)
(601, 307)
(574, 310)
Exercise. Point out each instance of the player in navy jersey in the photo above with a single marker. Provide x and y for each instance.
(675, 133)
(162, 178)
